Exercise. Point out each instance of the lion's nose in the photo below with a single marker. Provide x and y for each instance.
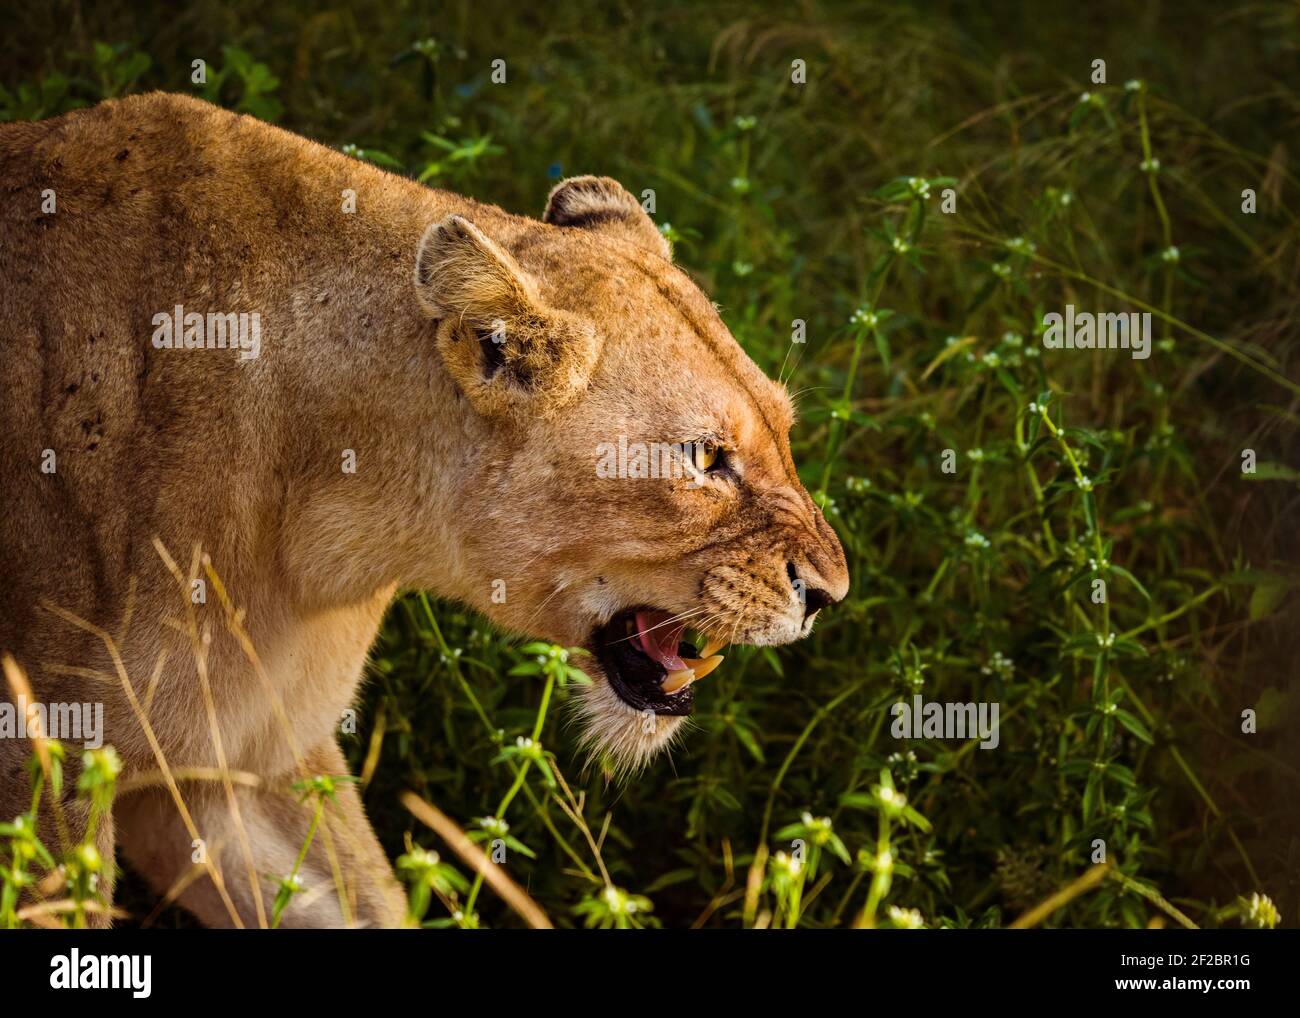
(814, 598)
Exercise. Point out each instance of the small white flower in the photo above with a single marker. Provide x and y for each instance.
(617, 901)
(864, 316)
(494, 825)
(999, 664)
(818, 824)
(1260, 911)
(906, 918)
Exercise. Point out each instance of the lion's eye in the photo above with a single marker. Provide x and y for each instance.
(707, 456)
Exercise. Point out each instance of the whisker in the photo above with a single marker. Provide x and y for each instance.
(676, 618)
(545, 601)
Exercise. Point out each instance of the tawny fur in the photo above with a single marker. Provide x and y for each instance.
(372, 346)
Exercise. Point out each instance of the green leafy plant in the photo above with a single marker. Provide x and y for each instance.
(247, 85)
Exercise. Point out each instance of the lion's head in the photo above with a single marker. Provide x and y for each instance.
(628, 485)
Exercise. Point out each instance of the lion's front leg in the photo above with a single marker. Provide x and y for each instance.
(346, 878)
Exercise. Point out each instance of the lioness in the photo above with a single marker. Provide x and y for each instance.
(220, 339)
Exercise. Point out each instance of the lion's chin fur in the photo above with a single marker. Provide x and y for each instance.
(619, 738)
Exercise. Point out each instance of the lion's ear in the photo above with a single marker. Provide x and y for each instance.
(599, 203)
(508, 352)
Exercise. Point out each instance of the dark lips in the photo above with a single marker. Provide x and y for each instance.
(634, 676)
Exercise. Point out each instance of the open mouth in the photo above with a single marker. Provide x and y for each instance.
(647, 662)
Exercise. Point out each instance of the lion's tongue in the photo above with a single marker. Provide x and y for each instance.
(659, 638)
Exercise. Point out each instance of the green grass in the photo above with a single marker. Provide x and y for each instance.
(822, 202)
